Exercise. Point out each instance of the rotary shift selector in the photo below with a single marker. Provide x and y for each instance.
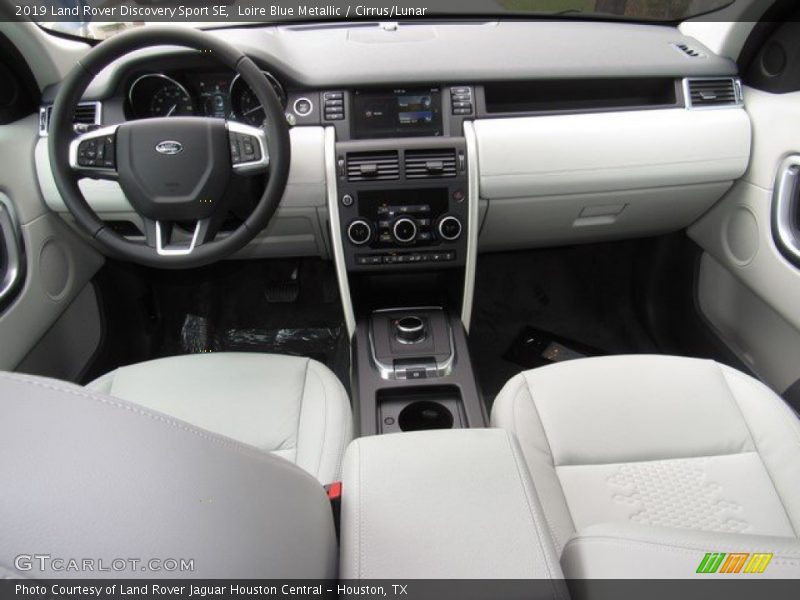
(409, 330)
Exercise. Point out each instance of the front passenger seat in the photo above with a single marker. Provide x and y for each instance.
(289, 406)
(646, 464)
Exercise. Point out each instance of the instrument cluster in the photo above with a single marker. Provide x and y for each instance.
(222, 95)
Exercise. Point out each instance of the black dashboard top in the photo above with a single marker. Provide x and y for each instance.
(329, 56)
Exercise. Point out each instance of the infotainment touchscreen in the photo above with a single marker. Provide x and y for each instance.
(397, 113)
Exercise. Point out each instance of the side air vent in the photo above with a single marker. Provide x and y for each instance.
(424, 164)
(372, 166)
(712, 93)
(86, 113)
(687, 50)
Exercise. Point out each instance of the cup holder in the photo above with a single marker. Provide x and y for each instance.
(425, 414)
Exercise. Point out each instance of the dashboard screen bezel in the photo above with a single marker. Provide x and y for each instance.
(391, 125)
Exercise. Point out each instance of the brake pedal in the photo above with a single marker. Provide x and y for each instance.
(283, 292)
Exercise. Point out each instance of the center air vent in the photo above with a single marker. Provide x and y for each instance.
(424, 164)
(711, 93)
(372, 166)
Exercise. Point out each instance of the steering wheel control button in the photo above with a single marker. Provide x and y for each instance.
(303, 107)
(404, 230)
(449, 228)
(97, 152)
(87, 153)
(236, 155)
(359, 232)
(248, 149)
(244, 148)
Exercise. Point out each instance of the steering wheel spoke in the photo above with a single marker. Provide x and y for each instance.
(249, 151)
(94, 154)
(161, 236)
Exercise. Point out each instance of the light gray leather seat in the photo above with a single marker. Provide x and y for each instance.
(643, 464)
(89, 477)
(293, 407)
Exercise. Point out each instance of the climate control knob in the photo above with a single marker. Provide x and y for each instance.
(404, 230)
(359, 232)
(449, 228)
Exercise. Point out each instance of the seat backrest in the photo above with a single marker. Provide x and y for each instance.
(92, 478)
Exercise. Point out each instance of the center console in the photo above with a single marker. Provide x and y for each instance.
(412, 372)
(402, 202)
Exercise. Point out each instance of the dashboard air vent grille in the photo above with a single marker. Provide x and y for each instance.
(710, 93)
(372, 166)
(86, 113)
(424, 164)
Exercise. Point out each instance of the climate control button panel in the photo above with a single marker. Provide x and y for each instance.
(417, 229)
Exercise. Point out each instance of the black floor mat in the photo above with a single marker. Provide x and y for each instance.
(535, 348)
(583, 294)
(272, 306)
(199, 335)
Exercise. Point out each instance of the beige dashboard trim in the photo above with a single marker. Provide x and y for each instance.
(473, 223)
(335, 229)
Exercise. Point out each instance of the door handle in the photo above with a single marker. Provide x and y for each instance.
(12, 254)
(786, 210)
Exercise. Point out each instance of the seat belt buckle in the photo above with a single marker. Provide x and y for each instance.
(334, 492)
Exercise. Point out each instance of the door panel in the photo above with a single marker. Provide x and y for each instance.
(738, 234)
(12, 255)
(53, 263)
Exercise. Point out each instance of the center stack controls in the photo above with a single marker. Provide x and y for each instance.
(403, 204)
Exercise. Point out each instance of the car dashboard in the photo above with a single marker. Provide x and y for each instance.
(635, 131)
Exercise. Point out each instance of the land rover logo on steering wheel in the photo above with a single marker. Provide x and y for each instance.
(169, 147)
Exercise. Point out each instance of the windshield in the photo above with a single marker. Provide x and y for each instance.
(99, 19)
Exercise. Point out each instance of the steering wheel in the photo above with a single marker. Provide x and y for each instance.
(171, 169)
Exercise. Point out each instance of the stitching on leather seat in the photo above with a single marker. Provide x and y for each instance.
(300, 416)
(525, 387)
(790, 559)
(346, 426)
(109, 401)
(359, 536)
(310, 369)
(531, 511)
(735, 402)
(786, 418)
(648, 460)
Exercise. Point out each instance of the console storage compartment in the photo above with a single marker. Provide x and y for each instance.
(444, 504)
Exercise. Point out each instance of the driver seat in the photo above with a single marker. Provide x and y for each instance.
(288, 406)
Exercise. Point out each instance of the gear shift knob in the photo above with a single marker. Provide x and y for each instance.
(409, 330)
